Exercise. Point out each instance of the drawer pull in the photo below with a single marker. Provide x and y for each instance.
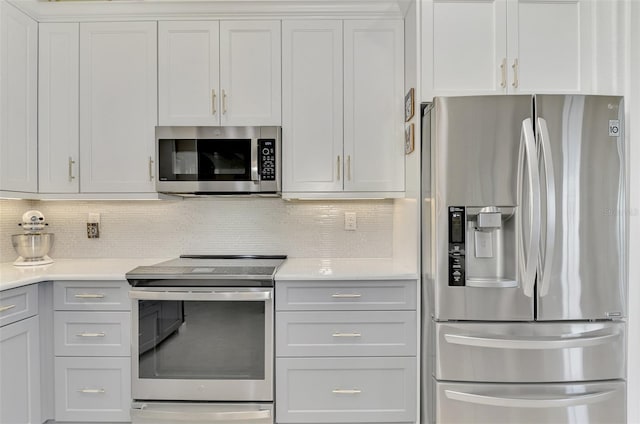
(6, 308)
(91, 391)
(89, 296)
(346, 391)
(90, 334)
(347, 335)
(346, 295)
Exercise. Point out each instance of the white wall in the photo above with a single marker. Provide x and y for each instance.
(217, 226)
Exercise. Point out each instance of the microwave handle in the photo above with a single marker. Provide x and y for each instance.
(254, 160)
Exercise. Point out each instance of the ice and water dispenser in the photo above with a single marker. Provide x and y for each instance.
(482, 246)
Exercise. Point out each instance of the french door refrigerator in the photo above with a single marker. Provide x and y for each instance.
(524, 257)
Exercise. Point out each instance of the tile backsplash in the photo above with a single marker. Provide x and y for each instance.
(158, 229)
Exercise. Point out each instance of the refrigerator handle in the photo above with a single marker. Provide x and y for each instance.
(531, 402)
(528, 144)
(546, 259)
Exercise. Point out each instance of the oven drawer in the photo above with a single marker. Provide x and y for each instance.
(92, 333)
(346, 295)
(18, 303)
(201, 413)
(346, 390)
(359, 333)
(91, 295)
(92, 389)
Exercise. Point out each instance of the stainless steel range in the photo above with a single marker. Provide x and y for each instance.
(204, 345)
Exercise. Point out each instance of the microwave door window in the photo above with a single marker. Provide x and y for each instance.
(178, 160)
(224, 160)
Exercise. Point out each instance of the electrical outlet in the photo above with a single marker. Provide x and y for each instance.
(93, 230)
(350, 221)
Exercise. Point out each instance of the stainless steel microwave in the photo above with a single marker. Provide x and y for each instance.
(218, 160)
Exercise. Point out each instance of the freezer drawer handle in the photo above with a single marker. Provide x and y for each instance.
(540, 343)
(177, 416)
(533, 402)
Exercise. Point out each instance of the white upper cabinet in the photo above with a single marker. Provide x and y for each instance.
(219, 73)
(189, 73)
(374, 105)
(343, 108)
(18, 100)
(312, 130)
(473, 47)
(58, 108)
(118, 106)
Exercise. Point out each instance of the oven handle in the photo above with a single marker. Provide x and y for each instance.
(231, 296)
(177, 416)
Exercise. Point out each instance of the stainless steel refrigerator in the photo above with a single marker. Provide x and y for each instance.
(524, 260)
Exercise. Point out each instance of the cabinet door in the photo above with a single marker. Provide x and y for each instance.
(463, 47)
(18, 100)
(58, 114)
(312, 106)
(549, 46)
(20, 372)
(374, 105)
(250, 73)
(188, 72)
(118, 106)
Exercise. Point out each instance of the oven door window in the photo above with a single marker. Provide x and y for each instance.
(205, 159)
(210, 340)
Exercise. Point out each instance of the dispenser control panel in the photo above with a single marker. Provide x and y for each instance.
(457, 230)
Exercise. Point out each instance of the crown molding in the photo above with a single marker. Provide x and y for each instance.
(135, 10)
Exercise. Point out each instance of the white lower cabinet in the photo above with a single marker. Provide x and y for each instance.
(19, 356)
(346, 352)
(92, 347)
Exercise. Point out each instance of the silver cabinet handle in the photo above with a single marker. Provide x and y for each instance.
(180, 416)
(150, 168)
(349, 167)
(338, 167)
(346, 391)
(90, 335)
(213, 102)
(503, 73)
(89, 296)
(71, 162)
(347, 335)
(224, 102)
(92, 391)
(528, 149)
(346, 295)
(545, 262)
(248, 296)
(515, 73)
(6, 308)
(530, 402)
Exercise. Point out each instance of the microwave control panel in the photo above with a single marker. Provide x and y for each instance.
(267, 159)
(457, 223)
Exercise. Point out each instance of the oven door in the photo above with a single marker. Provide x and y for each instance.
(209, 344)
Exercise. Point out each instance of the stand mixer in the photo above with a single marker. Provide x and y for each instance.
(34, 244)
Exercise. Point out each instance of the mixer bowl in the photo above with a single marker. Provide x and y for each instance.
(32, 247)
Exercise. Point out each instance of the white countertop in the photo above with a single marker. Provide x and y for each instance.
(115, 269)
(69, 269)
(344, 269)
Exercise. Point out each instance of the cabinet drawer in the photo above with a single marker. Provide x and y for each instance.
(346, 390)
(92, 389)
(359, 333)
(92, 333)
(92, 295)
(18, 303)
(346, 295)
